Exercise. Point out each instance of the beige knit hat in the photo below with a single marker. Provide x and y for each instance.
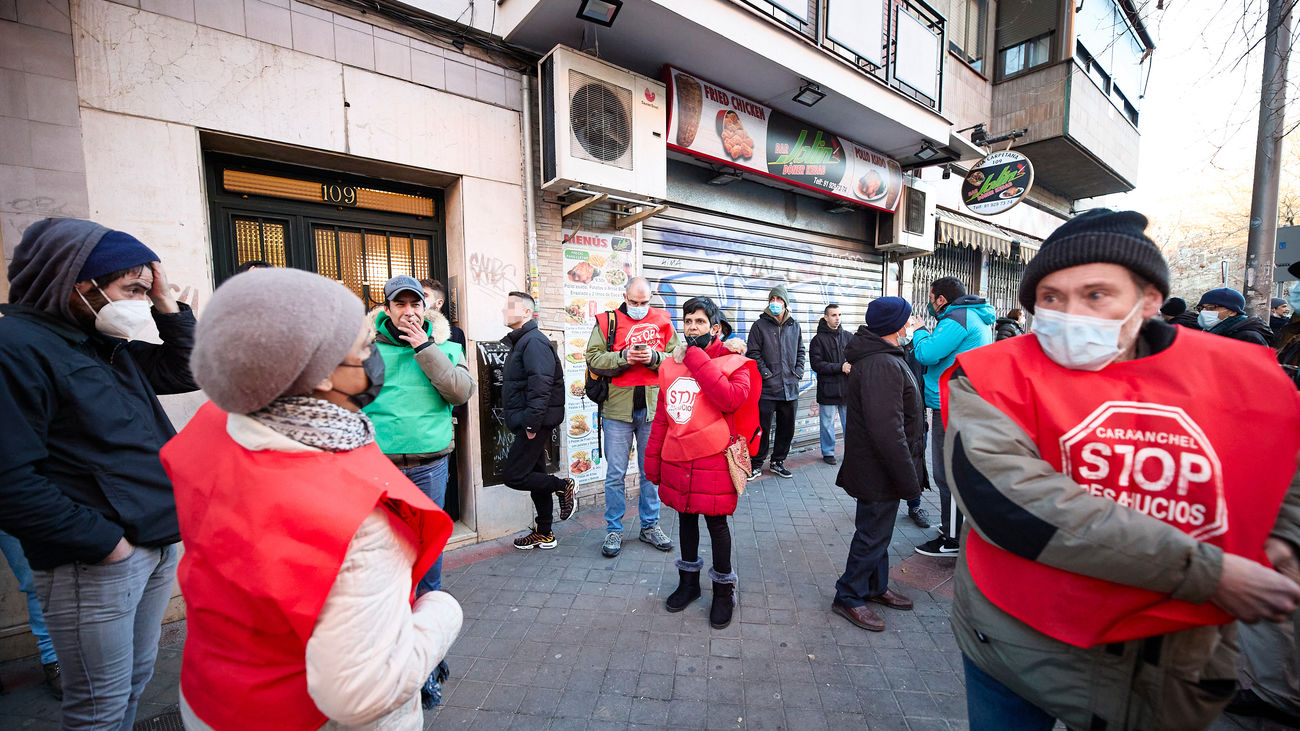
(268, 333)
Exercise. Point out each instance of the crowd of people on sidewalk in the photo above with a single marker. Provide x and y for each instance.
(1117, 533)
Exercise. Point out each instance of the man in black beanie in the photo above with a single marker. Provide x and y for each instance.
(1174, 311)
(1118, 515)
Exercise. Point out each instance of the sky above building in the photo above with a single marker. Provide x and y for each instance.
(1199, 116)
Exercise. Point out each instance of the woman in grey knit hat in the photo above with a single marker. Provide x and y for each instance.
(302, 540)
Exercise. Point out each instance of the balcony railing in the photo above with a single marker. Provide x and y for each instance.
(898, 42)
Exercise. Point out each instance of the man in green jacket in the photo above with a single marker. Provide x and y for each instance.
(424, 376)
(641, 336)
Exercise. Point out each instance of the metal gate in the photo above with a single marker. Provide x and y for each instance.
(1003, 287)
(687, 252)
(947, 260)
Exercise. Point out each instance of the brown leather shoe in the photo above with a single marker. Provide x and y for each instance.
(861, 616)
(892, 599)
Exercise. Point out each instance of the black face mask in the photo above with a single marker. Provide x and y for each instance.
(700, 341)
(374, 368)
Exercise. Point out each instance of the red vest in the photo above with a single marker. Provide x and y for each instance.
(656, 329)
(265, 534)
(696, 426)
(1174, 436)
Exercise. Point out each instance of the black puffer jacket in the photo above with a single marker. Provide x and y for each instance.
(884, 439)
(1186, 319)
(1246, 329)
(533, 388)
(778, 349)
(826, 352)
(1007, 328)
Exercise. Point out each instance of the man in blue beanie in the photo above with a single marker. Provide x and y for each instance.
(91, 335)
(1223, 312)
(884, 456)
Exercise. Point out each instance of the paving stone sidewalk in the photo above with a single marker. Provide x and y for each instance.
(568, 639)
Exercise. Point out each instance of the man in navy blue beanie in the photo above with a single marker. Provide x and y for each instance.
(884, 456)
(91, 335)
(1223, 312)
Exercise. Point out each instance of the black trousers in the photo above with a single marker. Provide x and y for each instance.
(866, 573)
(784, 411)
(688, 530)
(950, 513)
(525, 470)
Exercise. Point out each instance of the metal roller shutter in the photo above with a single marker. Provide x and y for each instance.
(687, 253)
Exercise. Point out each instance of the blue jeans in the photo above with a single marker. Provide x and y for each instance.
(993, 706)
(827, 417)
(105, 621)
(432, 480)
(13, 551)
(617, 447)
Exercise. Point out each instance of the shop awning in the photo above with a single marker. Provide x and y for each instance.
(1028, 246)
(954, 228)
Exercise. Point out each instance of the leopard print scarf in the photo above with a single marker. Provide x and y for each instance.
(317, 423)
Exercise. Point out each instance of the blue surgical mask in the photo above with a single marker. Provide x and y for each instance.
(638, 313)
(1079, 342)
(1207, 319)
(776, 308)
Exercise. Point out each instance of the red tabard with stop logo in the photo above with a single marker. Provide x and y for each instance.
(655, 330)
(1175, 436)
(696, 426)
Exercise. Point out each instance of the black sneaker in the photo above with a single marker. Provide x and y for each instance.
(919, 516)
(778, 469)
(568, 499)
(940, 547)
(754, 474)
(828, 458)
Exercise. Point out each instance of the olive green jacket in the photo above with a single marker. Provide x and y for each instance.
(1178, 681)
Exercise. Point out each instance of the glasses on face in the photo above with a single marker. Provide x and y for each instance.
(1208, 308)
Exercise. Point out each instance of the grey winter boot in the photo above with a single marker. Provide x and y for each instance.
(688, 587)
(724, 599)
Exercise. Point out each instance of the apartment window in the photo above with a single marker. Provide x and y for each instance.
(967, 27)
(1108, 49)
(1024, 56)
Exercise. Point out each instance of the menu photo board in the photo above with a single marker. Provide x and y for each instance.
(710, 122)
(597, 267)
(997, 182)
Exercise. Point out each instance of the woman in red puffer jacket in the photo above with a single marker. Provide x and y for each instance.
(704, 390)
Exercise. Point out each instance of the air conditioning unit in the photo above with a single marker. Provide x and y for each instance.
(603, 127)
(912, 229)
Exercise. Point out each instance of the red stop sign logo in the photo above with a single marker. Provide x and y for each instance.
(1150, 458)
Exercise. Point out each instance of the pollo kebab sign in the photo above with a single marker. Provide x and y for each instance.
(709, 121)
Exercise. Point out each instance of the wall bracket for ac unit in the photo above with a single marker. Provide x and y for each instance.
(627, 211)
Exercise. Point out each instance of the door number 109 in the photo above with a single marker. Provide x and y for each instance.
(344, 195)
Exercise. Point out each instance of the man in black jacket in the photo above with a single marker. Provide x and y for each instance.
(1223, 312)
(533, 399)
(91, 335)
(826, 352)
(776, 344)
(884, 457)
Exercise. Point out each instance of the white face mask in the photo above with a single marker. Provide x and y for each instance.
(1207, 319)
(126, 319)
(638, 313)
(1079, 342)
